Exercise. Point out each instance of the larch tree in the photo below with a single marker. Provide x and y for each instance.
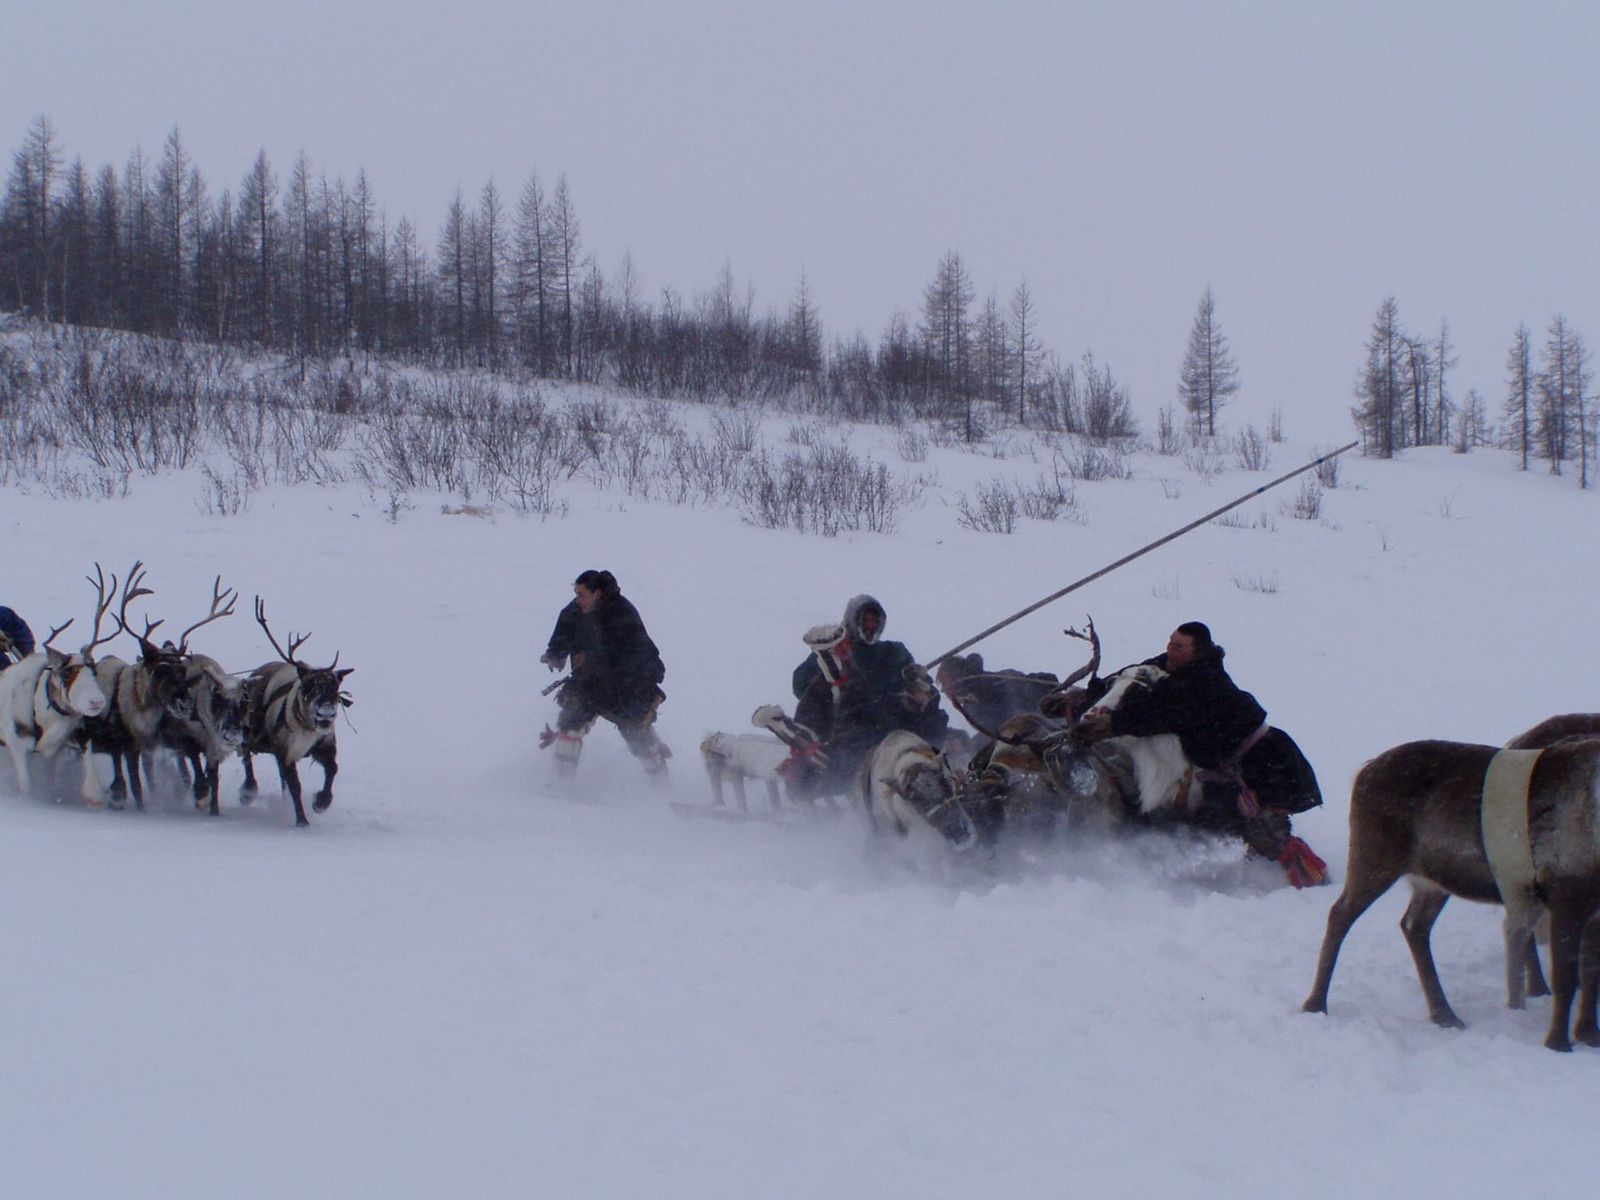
(1379, 388)
(1518, 408)
(1208, 375)
(1027, 351)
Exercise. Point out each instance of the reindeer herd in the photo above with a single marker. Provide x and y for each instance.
(170, 702)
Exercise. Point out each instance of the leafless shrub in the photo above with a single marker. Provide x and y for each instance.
(1166, 589)
(737, 431)
(912, 444)
(1169, 438)
(404, 450)
(1307, 505)
(1090, 462)
(1327, 471)
(994, 510)
(522, 452)
(1265, 582)
(1250, 450)
(1050, 498)
(222, 497)
(1237, 519)
(123, 416)
(806, 433)
(1172, 489)
(1205, 460)
(1275, 425)
(825, 490)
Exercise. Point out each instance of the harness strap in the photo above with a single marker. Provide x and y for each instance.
(1228, 772)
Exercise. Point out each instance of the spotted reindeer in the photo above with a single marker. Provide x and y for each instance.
(45, 698)
(290, 715)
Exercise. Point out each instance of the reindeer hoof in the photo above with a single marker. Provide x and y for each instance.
(301, 822)
(247, 796)
(321, 802)
(1556, 1042)
(1588, 1036)
(115, 801)
(1448, 1020)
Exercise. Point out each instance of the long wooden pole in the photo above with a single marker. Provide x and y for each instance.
(1128, 558)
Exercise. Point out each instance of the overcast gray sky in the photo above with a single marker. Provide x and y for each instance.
(1303, 159)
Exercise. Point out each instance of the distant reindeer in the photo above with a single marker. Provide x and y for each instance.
(1511, 826)
(45, 698)
(290, 715)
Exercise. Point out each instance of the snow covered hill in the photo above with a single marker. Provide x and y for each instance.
(465, 980)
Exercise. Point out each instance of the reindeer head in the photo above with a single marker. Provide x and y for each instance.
(71, 687)
(220, 700)
(322, 690)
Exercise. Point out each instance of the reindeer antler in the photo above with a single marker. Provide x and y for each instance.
(1092, 666)
(294, 642)
(131, 591)
(57, 632)
(104, 596)
(218, 611)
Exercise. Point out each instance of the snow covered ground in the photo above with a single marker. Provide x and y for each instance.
(464, 980)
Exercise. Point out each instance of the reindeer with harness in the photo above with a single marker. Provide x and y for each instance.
(45, 698)
(290, 714)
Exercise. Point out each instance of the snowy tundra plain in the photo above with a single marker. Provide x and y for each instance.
(464, 979)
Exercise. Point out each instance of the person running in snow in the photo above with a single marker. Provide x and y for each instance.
(16, 639)
(855, 687)
(616, 674)
(1254, 776)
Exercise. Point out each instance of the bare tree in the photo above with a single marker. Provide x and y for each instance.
(1519, 392)
(1026, 348)
(1378, 388)
(1208, 375)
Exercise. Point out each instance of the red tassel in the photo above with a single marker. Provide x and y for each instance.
(1301, 864)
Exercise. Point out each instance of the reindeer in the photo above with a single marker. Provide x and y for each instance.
(1516, 827)
(909, 789)
(290, 714)
(214, 726)
(215, 731)
(143, 696)
(45, 698)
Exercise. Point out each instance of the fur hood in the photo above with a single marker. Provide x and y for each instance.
(852, 618)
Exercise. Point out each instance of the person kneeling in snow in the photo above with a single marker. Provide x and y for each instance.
(616, 674)
(854, 688)
(1253, 775)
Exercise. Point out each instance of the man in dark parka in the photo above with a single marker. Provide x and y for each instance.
(616, 673)
(1258, 776)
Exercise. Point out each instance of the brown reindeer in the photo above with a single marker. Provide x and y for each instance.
(290, 715)
(1519, 827)
(143, 696)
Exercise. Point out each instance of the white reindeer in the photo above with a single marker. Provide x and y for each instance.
(45, 698)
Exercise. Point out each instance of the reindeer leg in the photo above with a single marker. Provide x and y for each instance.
(212, 781)
(248, 789)
(1522, 914)
(131, 757)
(1531, 970)
(1571, 907)
(1417, 925)
(94, 794)
(325, 756)
(1360, 890)
(289, 773)
(1587, 1028)
(119, 785)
